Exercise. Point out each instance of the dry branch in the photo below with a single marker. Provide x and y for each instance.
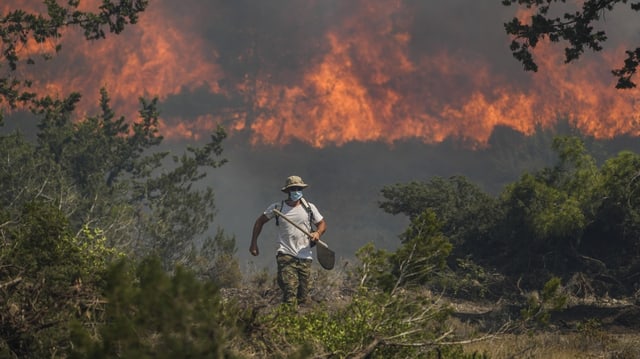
(11, 282)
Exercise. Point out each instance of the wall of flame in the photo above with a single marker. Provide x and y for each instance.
(329, 72)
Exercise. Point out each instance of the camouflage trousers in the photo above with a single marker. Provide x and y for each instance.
(293, 278)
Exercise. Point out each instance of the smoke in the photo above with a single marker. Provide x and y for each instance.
(351, 95)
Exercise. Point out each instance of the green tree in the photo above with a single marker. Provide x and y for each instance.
(577, 28)
(374, 269)
(424, 250)
(540, 226)
(451, 219)
(610, 242)
(465, 211)
(97, 158)
(106, 173)
(576, 171)
(84, 187)
(23, 175)
(19, 27)
(545, 214)
(178, 211)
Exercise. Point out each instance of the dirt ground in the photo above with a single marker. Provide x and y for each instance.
(608, 329)
(615, 316)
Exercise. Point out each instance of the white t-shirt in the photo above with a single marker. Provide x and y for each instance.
(291, 240)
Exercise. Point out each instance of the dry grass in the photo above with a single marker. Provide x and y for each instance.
(550, 345)
(586, 328)
(578, 332)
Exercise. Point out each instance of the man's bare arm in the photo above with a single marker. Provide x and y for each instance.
(257, 228)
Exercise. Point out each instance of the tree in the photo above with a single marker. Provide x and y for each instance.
(105, 173)
(102, 171)
(98, 158)
(424, 250)
(85, 186)
(18, 28)
(611, 239)
(577, 28)
(22, 174)
(541, 226)
(465, 211)
(545, 214)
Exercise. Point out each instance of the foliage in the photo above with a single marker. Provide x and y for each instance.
(389, 314)
(216, 261)
(151, 314)
(98, 255)
(46, 280)
(539, 307)
(455, 199)
(50, 278)
(545, 227)
(406, 322)
(545, 215)
(88, 192)
(577, 28)
(374, 270)
(539, 218)
(576, 171)
(466, 213)
(104, 172)
(27, 176)
(424, 250)
(470, 280)
(566, 219)
(373, 324)
(20, 28)
(612, 235)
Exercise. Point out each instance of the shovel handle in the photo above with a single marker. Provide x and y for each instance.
(281, 215)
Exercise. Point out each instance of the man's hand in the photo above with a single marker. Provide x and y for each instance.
(315, 236)
(254, 250)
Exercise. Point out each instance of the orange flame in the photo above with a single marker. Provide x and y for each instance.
(367, 85)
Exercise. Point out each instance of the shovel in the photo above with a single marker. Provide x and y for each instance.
(326, 257)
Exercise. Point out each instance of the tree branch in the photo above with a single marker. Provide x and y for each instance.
(11, 282)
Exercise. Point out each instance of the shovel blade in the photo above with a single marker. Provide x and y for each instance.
(326, 257)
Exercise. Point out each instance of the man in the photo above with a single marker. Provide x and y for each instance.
(294, 253)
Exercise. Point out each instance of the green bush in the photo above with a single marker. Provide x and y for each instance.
(47, 279)
(152, 314)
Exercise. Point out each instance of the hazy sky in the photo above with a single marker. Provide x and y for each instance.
(350, 94)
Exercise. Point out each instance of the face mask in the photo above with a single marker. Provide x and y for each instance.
(295, 195)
